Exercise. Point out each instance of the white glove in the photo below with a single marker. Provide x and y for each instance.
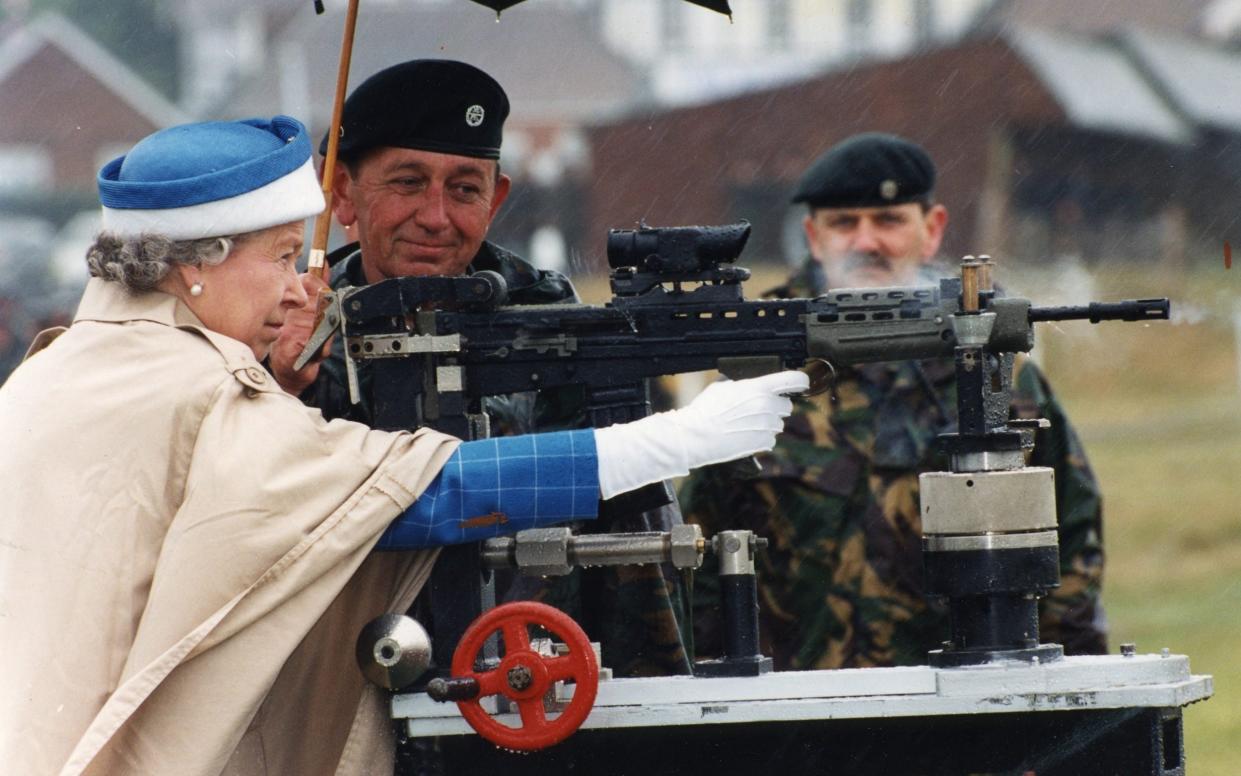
(728, 420)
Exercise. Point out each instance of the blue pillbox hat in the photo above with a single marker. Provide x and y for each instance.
(212, 179)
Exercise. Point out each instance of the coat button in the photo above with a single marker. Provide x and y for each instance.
(256, 375)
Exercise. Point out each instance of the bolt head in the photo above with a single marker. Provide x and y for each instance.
(519, 677)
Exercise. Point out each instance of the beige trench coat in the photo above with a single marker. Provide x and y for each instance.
(184, 556)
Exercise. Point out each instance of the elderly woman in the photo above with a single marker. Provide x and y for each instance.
(186, 550)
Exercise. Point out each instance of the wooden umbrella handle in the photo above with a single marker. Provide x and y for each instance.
(317, 261)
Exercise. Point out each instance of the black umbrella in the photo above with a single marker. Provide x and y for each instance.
(500, 5)
(714, 5)
(318, 244)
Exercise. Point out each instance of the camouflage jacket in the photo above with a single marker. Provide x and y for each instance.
(633, 611)
(840, 584)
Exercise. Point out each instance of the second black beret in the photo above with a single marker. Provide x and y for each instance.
(868, 170)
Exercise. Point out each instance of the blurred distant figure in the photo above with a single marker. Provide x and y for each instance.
(841, 583)
(15, 334)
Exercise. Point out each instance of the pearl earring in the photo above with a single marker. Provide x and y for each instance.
(196, 289)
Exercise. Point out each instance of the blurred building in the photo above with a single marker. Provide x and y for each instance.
(660, 109)
(1211, 19)
(691, 54)
(68, 106)
(1049, 144)
(224, 43)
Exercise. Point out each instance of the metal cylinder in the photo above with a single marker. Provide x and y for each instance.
(738, 593)
(619, 549)
(393, 650)
(462, 688)
(988, 461)
(735, 550)
(990, 546)
(974, 572)
(988, 502)
(995, 622)
(739, 605)
(555, 551)
(969, 284)
(973, 331)
(739, 601)
(985, 265)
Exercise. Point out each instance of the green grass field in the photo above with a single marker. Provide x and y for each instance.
(1159, 408)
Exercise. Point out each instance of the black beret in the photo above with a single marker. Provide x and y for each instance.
(868, 170)
(427, 104)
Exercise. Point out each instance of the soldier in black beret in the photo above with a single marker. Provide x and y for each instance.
(873, 220)
(841, 580)
(419, 183)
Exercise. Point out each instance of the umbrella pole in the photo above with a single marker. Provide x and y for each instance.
(317, 261)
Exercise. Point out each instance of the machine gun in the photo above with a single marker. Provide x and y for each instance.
(437, 346)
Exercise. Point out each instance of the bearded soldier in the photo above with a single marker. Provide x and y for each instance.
(840, 584)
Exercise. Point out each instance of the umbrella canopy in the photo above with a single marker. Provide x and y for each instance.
(715, 5)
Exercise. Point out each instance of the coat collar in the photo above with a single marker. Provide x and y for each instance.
(110, 302)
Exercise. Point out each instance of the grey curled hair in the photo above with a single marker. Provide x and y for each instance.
(140, 263)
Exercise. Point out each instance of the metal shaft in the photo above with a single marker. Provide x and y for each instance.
(555, 551)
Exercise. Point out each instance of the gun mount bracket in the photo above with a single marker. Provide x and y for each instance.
(400, 345)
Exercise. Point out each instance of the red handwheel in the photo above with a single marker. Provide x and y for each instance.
(524, 676)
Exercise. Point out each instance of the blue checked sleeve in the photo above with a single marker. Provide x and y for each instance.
(494, 487)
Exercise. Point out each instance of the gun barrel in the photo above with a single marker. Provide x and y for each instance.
(1128, 310)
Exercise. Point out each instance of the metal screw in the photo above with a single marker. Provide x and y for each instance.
(1165, 652)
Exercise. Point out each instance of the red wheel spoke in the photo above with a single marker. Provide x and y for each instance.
(490, 683)
(532, 715)
(516, 637)
(559, 668)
